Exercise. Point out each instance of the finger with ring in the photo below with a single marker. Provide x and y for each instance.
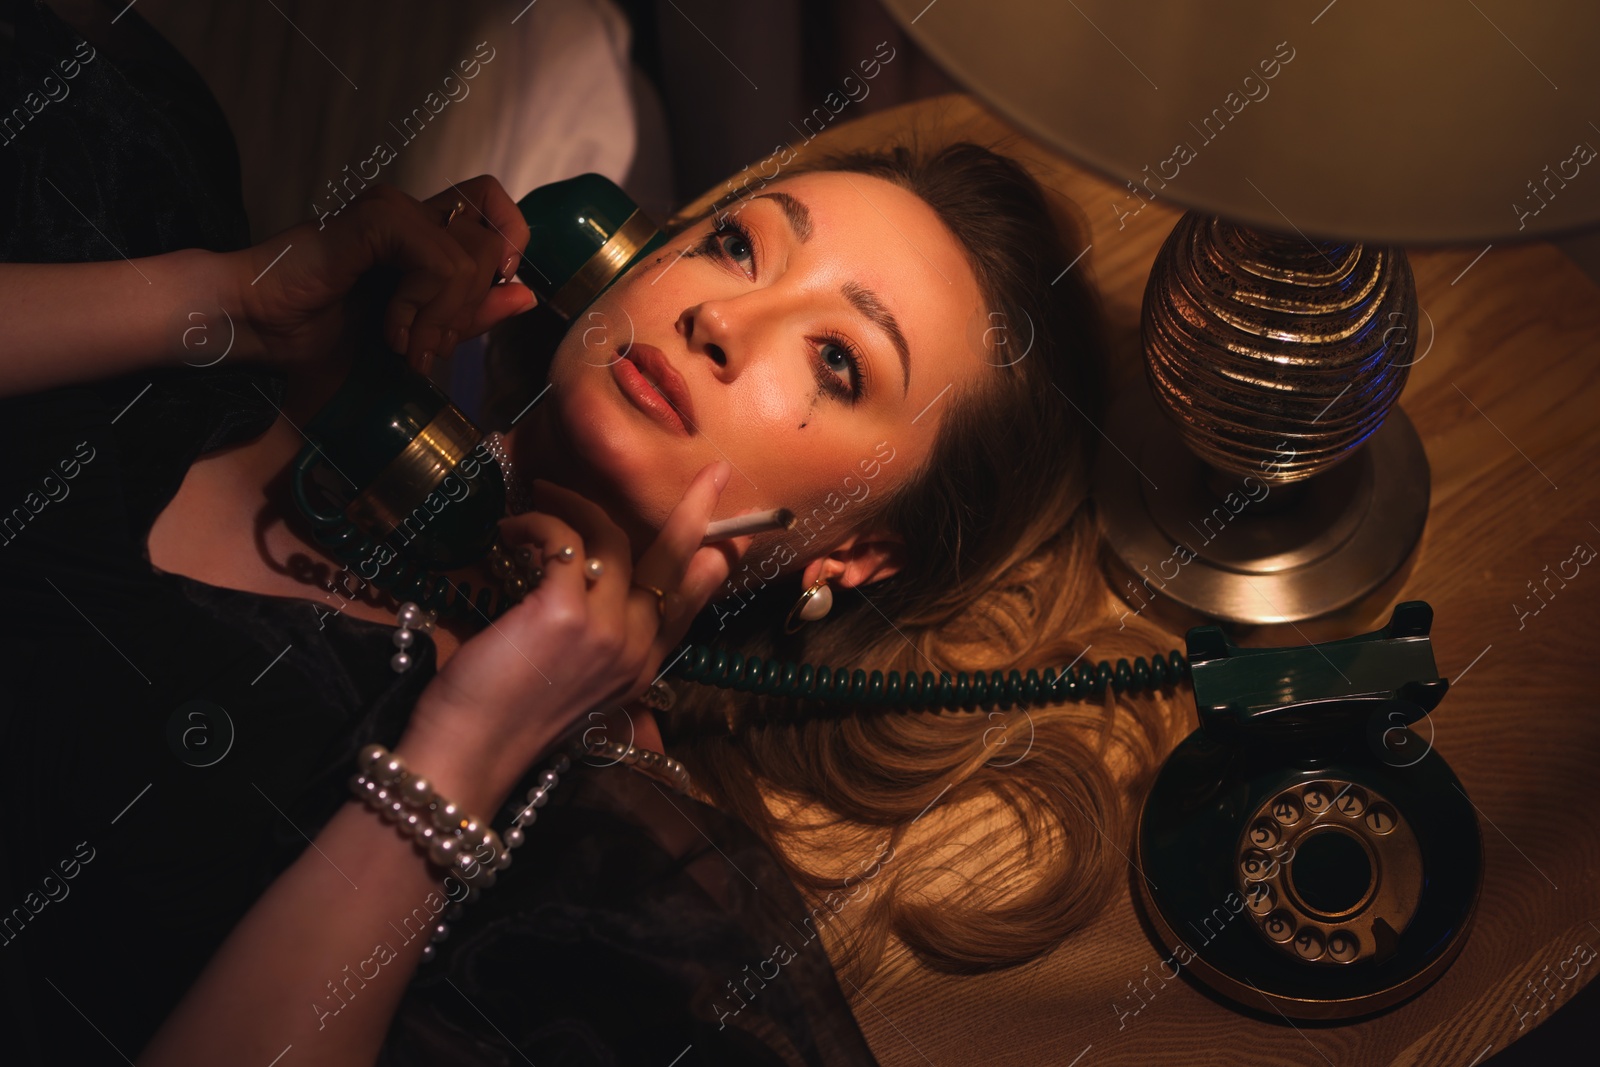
(661, 597)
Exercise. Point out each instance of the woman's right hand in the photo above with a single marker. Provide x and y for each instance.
(572, 644)
(292, 288)
(286, 302)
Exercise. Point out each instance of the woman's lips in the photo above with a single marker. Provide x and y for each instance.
(670, 403)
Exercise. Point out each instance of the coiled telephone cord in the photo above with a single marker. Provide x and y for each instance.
(709, 665)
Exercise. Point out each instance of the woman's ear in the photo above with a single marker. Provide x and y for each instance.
(862, 558)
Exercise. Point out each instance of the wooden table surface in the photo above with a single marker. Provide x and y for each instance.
(1504, 394)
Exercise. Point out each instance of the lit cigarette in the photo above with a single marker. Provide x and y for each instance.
(760, 522)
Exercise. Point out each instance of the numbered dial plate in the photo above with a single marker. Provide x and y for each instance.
(1330, 872)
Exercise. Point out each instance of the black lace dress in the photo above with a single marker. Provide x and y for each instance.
(169, 747)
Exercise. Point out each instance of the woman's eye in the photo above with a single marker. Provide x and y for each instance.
(730, 241)
(736, 246)
(844, 374)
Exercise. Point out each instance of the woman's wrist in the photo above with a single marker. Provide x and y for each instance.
(238, 275)
(62, 323)
(219, 322)
(201, 308)
(478, 774)
(463, 778)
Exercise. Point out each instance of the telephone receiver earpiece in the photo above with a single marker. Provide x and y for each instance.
(584, 234)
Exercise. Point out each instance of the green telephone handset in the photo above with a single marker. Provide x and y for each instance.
(394, 478)
(1304, 850)
(395, 482)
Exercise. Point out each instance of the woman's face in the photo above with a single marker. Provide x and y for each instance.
(818, 349)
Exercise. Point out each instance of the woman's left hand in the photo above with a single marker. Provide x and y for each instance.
(599, 641)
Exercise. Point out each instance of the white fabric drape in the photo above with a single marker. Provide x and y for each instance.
(312, 88)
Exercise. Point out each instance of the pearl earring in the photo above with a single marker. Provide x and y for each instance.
(813, 604)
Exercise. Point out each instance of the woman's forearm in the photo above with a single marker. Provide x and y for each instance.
(62, 323)
(321, 960)
(283, 302)
(319, 963)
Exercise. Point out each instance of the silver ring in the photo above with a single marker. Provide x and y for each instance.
(594, 567)
(460, 206)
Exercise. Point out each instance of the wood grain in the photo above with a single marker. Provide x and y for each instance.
(1504, 395)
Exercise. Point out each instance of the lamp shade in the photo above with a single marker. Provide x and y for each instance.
(1429, 121)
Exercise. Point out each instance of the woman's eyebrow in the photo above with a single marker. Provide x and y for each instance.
(861, 298)
(798, 214)
(866, 301)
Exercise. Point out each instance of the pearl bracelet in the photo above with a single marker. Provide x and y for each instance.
(462, 844)
(450, 837)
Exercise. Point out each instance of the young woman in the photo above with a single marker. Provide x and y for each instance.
(954, 533)
(886, 345)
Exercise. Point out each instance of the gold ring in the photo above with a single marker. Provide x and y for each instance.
(460, 206)
(661, 598)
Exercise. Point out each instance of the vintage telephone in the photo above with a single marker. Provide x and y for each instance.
(1304, 850)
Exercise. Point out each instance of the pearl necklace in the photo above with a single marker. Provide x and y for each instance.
(517, 501)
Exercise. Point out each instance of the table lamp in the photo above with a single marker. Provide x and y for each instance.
(1280, 320)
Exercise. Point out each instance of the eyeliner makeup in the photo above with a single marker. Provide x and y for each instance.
(760, 522)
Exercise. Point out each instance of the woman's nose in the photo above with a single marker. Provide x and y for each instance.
(709, 327)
